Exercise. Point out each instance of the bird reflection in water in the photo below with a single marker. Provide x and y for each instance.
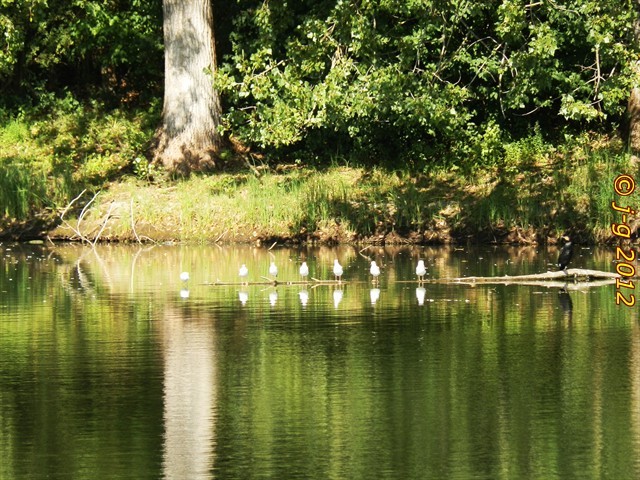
(337, 297)
(304, 297)
(243, 296)
(420, 294)
(566, 304)
(273, 298)
(184, 292)
(374, 294)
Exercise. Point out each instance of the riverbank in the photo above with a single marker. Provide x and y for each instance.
(343, 204)
(78, 172)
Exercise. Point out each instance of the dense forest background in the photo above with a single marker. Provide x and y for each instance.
(391, 80)
(400, 84)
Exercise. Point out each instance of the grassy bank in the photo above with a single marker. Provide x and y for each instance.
(347, 204)
(533, 194)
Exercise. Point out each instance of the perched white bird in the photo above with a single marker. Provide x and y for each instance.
(184, 276)
(273, 270)
(337, 270)
(375, 271)
(304, 271)
(421, 270)
(243, 272)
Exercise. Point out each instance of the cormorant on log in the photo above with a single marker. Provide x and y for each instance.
(565, 253)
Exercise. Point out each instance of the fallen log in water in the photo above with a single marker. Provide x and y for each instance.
(560, 277)
(275, 283)
(549, 279)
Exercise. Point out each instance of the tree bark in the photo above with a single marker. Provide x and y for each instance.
(633, 105)
(188, 138)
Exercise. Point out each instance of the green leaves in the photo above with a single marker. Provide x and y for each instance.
(58, 43)
(418, 78)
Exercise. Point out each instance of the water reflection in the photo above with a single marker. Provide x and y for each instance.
(115, 376)
(243, 296)
(304, 297)
(189, 396)
(566, 304)
(420, 294)
(374, 295)
(337, 297)
(273, 298)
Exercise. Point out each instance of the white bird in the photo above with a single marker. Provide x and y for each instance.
(337, 270)
(375, 271)
(421, 270)
(304, 271)
(184, 276)
(273, 270)
(243, 272)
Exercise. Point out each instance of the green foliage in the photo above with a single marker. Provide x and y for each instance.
(79, 44)
(418, 82)
(48, 155)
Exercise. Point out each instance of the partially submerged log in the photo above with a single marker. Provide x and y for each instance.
(548, 279)
(274, 283)
(560, 277)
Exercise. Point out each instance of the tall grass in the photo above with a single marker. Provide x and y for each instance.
(22, 189)
(50, 153)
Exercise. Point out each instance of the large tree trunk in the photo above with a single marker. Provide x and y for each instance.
(188, 138)
(633, 118)
(633, 106)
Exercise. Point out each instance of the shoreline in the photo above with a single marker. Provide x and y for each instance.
(343, 205)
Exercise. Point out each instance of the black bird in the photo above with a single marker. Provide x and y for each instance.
(565, 253)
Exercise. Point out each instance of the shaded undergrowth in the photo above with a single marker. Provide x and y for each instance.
(559, 194)
(49, 153)
(534, 192)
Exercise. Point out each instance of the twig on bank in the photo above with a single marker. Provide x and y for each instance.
(104, 224)
(71, 203)
(221, 235)
(133, 223)
(84, 210)
(76, 229)
(363, 255)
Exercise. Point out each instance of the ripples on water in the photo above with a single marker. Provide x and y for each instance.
(114, 368)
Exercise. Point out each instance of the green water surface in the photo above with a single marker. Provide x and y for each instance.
(112, 367)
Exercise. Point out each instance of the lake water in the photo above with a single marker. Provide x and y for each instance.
(112, 367)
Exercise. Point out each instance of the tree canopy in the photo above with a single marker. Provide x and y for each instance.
(415, 81)
(425, 79)
(91, 47)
